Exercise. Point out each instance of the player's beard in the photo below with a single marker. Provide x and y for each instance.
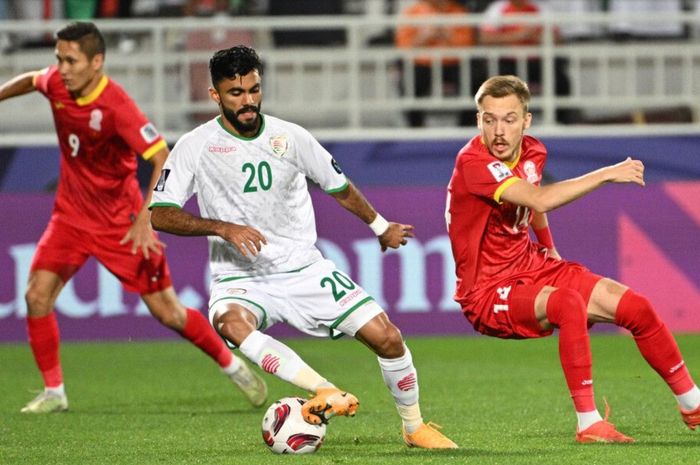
(241, 127)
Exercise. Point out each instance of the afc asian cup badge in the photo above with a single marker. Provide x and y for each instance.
(279, 145)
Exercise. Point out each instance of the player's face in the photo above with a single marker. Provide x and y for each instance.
(79, 73)
(239, 100)
(502, 122)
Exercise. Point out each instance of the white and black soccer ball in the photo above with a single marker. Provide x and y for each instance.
(285, 431)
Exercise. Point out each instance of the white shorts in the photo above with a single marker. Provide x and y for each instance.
(318, 300)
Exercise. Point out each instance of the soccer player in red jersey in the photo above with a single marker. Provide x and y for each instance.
(512, 287)
(99, 210)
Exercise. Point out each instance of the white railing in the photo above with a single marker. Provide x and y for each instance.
(352, 90)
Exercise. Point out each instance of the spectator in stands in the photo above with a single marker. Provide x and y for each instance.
(631, 29)
(493, 32)
(418, 36)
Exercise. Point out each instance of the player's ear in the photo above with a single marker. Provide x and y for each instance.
(528, 120)
(214, 95)
(97, 61)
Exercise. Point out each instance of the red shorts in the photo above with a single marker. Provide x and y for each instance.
(64, 249)
(506, 309)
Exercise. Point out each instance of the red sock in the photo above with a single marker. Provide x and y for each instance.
(654, 340)
(567, 310)
(44, 339)
(198, 331)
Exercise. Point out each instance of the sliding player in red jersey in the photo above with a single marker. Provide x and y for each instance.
(511, 287)
(99, 210)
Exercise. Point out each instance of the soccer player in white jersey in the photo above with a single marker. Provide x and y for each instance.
(249, 172)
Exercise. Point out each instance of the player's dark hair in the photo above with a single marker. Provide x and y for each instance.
(503, 86)
(235, 61)
(86, 34)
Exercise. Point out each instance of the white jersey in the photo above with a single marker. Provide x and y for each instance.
(258, 182)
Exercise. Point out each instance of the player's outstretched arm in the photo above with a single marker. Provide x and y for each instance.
(18, 85)
(388, 233)
(175, 220)
(545, 198)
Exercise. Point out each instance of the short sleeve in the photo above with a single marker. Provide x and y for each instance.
(487, 177)
(136, 130)
(318, 164)
(41, 80)
(175, 185)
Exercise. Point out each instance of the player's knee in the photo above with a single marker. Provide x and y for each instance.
(635, 313)
(566, 306)
(170, 317)
(38, 303)
(390, 343)
(235, 324)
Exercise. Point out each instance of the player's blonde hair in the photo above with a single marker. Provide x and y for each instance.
(503, 86)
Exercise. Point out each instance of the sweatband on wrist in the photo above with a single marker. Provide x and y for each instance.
(544, 237)
(379, 225)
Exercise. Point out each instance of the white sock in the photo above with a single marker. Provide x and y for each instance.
(690, 400)
(586, 419)
(233, 367)
(402, 380)
(59, 390)
(278, 359)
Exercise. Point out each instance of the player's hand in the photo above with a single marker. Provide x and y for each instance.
(246, 239)
(553, 253)
(628, 171)
(141, 236)
(395, 236)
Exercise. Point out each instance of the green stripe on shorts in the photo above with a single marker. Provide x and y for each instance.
(342, 317)
(262, 324)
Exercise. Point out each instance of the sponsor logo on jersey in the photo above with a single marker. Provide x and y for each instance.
(235, 291)
(96, 119)
(531, 172)
(160, 185)
(336, 166)
(149, 132)
(499, 171)
(58, 105)
(219, 149)
(279, 145)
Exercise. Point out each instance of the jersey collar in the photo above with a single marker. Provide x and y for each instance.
(238, 136)
(92, 96)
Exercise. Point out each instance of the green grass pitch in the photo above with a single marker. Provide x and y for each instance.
(503, 402)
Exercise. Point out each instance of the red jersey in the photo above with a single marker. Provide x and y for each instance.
(99, 136)
(490, 238)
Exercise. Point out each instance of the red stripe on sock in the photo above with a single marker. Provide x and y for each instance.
(44, 339)
(199, 332)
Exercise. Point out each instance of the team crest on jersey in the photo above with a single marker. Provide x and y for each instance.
(531, 172)
(235, 291)
(148, 132)
(279, 145)
(96, 119)
(499, 171)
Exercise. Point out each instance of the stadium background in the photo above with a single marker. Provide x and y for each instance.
(643, 237)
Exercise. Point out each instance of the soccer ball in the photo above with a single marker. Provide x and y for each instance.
(285, 431)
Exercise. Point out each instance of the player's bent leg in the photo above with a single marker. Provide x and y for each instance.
(44, 339)
(194, 327)
(238, 325)
(658, 347)
(400, 376)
